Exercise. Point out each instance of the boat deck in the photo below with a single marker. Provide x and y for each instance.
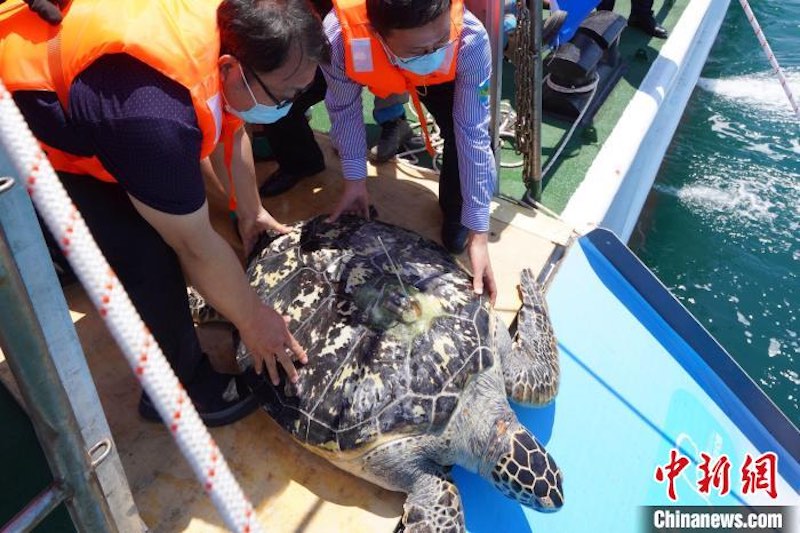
(292, 489)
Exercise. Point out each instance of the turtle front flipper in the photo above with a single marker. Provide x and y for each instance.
(433, 504)
(202, 313)
(530, 366)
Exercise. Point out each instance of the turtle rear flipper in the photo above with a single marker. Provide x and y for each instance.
(530, 368)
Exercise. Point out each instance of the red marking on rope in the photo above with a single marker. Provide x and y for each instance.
(143, 358)
(246, 528)
(211, 472)
(208, 486)
(180, 400)
(30, 191)
(174, 428)
(32, 180)
(213, 457)
(103, 311)
(248, 513)
(177, 415)
(65, 241)
(139, 370)
(106, 299)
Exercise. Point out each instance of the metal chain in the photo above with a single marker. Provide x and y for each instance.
(523, 87)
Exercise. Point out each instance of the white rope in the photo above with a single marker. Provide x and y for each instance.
(112, 302)
(770, 56)
(409, 156)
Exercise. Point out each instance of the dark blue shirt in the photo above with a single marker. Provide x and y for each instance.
(139, 123)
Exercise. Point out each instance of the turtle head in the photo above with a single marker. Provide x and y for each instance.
(527, 473)
(402, 306)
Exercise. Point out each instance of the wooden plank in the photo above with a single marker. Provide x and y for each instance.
(292, 489)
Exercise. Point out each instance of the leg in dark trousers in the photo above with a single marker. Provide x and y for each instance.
(146, 265)
(439, 101)
(642, 9)
(292, 142)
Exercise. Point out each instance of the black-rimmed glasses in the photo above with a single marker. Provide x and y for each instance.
(280, 104)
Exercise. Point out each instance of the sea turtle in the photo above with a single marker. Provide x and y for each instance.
(409, 371)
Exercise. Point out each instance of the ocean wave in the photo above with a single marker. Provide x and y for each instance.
(761, 90)
(736, 199)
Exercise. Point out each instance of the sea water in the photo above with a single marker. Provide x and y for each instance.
(722, 226)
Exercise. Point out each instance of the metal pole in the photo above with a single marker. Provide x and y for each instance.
(23, 342)
(536, 7)
(33, 513)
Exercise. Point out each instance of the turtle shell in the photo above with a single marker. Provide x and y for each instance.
(392, 329)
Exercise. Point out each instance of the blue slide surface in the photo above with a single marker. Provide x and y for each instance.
(633, 388)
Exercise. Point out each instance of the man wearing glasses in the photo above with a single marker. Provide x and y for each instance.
(150, 96)
(439, 53)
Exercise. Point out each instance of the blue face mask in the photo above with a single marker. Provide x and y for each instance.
(259, 113)
(424, 64)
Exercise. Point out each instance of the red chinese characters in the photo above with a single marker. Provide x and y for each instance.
(716, 475)
(757, 474)
(673, 469)
(760, 474)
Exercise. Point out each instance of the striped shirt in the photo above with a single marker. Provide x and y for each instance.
(470, 118)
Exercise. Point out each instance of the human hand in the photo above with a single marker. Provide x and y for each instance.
(483, 277)
(251, 227)
(354, 200)
(267, 337)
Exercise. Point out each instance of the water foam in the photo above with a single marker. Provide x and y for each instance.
(761, 90)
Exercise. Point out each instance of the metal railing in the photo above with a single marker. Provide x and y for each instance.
(28, 332)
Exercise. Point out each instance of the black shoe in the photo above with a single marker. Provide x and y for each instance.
(454, 237)
(649, 26)
(279, 181)
(220, 399)
(552, 25)
(393, 135)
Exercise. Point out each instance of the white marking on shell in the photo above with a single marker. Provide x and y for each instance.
(340, 341)
(305, 301)
(358, 275)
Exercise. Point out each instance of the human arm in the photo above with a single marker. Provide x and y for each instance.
(251, 217)
(345, 108)
(143, 128)
(475, 157)
(216, 272)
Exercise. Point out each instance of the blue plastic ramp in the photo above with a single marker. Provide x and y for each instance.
(639, 377)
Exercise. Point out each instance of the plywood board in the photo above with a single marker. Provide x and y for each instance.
(291, 489)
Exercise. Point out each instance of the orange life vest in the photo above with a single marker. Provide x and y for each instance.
(177, 38)
(366, 61)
